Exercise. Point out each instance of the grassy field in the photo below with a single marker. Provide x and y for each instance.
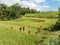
(13, 36)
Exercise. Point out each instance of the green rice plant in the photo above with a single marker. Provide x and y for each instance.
(51, 41)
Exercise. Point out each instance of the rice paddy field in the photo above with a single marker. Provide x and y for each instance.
(10, 33)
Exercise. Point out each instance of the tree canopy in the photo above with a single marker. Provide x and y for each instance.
(14, 11)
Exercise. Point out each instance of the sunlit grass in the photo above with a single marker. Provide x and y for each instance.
(13, 36)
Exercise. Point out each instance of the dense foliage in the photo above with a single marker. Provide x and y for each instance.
(13, 12)
(56, 27)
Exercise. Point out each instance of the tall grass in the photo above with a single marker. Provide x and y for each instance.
(14, 37)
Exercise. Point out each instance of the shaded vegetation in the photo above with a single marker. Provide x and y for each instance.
(13, 12)
(56, 27)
